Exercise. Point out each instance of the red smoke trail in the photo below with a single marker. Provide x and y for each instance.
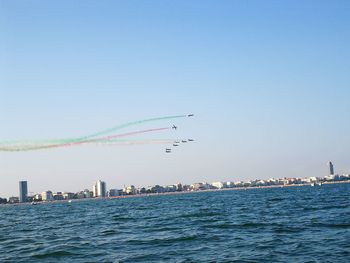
(115, 136)
(97, 139)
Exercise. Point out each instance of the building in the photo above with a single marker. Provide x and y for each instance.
(330, 168)
(130, 190)
(37, 198)
(170, 188)
(186, 187)
(58, 196)
(13, 200)
(68, 196)
(179, 187)
(218, 185)
(99, 189)
(88, 194)
(200, 186)
(47, 196)
(113, 193)
(23, 191)
(229, 184)
(155, 189)
(79, 195)
(141, 190)
(94, 190)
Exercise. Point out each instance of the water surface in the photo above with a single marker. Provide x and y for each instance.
(293, 224)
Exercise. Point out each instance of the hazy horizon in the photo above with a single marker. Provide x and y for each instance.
(267, 82)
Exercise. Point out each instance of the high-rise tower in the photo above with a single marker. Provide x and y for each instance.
(23, 191)
(99, 189)
(330, 168)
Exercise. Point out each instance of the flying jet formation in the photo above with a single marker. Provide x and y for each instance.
(177, 143)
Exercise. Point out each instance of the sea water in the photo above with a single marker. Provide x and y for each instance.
(289, 224)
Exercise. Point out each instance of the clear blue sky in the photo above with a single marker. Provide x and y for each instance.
(267, 80)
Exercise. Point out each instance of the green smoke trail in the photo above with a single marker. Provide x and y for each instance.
(112, 142)
(31, 147)
(126, 125)
(94, 135)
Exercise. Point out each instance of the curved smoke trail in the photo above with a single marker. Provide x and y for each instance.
(133, 142)
(24, 147)
(107, 137)
(6, 144)
(126, 125)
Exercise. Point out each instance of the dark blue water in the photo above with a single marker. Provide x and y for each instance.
(294, 224)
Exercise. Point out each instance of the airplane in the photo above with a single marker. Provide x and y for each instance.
(190, 115)
(183, 141)
(174, 127)
(190, 140)
(175, 144)
(168, 150)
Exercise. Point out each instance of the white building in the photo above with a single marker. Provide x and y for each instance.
(130, 190)
(99, 189)
(94, 190)
(218, 185)
(47, 196)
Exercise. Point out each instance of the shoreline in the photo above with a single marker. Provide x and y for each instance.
(171, 193)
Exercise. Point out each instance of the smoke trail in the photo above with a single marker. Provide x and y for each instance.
(109, 137)
(101, 143)
(132, 142)
(31, 147)
(100, 133)
(130, 124)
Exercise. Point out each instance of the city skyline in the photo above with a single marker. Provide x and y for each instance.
(99, 188)
(267, 83)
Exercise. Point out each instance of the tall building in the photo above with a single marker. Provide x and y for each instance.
(94, 190)
(23, 191)
(99, 189)
(331, 168)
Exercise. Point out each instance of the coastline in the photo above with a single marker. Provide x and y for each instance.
(171, 193)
